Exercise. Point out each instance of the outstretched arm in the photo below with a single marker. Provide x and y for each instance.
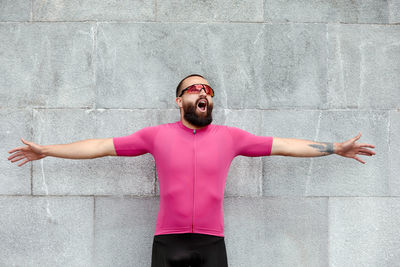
(85, 149)
(305, 148)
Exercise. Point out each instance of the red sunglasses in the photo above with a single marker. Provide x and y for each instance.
(196, 89)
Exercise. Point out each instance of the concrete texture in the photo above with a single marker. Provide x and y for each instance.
(394, 157)
(361, 61)
(64, 10)
(207, 11)
(46, 231)
(243, 55)
(277, 231)
(46, 64)
(15, 10)
(369, 11)
(364, 231)
(124, 229)
(394, 16)
(315, 70)
(15, 124)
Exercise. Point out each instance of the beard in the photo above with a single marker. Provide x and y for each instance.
(196, 119)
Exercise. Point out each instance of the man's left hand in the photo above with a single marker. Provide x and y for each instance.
(350, 149)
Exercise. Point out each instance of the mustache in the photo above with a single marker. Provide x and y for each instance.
(201, 98)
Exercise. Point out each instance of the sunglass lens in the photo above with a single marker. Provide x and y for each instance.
(209, 90)
(196, 88)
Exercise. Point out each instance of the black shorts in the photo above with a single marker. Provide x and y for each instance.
(188, 250)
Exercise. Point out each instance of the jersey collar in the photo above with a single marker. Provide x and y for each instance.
(181, 125)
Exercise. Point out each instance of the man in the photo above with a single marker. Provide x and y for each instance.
(192, 158)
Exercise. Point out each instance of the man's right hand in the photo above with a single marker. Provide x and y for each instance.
(27, 153)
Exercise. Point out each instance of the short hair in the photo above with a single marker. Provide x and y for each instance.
(179, 85)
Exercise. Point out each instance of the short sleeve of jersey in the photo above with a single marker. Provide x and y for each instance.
(250, 145)
(138, 143)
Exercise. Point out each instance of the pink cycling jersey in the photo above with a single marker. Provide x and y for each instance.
(192, 166)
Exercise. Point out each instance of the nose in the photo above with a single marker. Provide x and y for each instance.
(203, 90)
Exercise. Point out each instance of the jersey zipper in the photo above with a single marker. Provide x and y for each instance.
(194, 176)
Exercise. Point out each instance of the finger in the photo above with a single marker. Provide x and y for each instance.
(26, 142)
(15, 149)
(357, 158)
(19, 165)
(367, 151)
(19, 158)
(357, 137)
(364, 154)
(366, 145)
(15, 155)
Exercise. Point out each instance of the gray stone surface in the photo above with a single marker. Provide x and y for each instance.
(64, 10)
(331, 175)
(364, 63)
(369, 11)
(240, 60)
(270, 65)
(15, 123)
(15, 10)
(124, 229)
(394, 15)
(315, 70)
(364, 231)
(245, 173)
(394, 153)
(46, 231)
(47, 65)
(339, 176)
(205, 11)
(128, 51)
(288, 175)
(276, 231)
(107, 175)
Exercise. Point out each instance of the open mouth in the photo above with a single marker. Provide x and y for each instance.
(202, 105)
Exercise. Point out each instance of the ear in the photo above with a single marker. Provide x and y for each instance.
(179, 102)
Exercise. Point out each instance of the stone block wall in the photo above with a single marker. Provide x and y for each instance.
(316, 70)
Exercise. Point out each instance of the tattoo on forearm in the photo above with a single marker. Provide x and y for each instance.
(323, 147)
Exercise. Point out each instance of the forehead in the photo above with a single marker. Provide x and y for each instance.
(193, 80)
